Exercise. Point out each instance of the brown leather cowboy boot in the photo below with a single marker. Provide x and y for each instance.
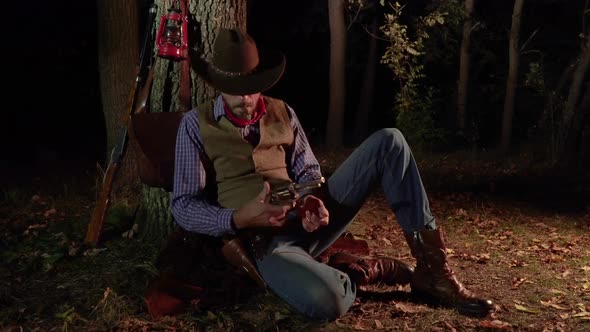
(433, 275)
(364, 271)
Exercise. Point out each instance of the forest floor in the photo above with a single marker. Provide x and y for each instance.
(516, 233)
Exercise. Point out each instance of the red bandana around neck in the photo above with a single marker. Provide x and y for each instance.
(258, 113)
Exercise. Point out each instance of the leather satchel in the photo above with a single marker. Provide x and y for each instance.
(154, 135)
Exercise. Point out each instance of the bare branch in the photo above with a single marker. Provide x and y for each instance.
(529, 39)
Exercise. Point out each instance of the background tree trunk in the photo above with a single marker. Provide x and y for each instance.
(335, 124)
(575, 144)
(464, 66)
(206, 18)
(361, 126)
(545, 124)
(571, 123)
(512, 80)
(576, 85)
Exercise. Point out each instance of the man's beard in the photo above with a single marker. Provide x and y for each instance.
(241, 110)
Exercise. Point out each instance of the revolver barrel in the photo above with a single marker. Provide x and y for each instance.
(290, 193)
(310, 185)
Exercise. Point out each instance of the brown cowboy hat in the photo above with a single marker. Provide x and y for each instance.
(237, 67)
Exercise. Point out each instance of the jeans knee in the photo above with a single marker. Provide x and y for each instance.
(391, 138)
(315, 290)
(329, 305)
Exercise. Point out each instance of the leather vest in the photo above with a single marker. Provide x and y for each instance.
(240, 168)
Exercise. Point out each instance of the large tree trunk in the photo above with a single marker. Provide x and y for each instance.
(335, 124)
(361, 125)
(118, 55)
(464, 66)
(155, 203)
(511, 82)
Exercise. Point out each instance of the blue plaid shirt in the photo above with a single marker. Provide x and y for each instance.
(190, 208)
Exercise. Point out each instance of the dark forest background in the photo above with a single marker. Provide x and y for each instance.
(52, 80)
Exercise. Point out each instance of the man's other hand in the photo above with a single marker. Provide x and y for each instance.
(313, 213)
(260, 213)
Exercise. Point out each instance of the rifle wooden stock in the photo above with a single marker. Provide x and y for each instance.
(98, 215)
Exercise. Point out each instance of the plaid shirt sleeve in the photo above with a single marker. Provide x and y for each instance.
(304, 165)
(190, 208)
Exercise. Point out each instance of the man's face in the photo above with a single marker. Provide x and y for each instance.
(241, 106)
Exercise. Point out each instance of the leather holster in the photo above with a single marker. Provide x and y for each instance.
(240, 257)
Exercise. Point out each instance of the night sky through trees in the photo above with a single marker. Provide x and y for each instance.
(52, 78)
(53, 82)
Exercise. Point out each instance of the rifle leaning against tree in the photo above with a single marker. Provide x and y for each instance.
(142, 80)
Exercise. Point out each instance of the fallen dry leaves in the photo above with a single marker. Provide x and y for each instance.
(407, 308)
(495, 324)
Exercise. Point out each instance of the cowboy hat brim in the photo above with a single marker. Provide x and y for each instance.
(269, 70)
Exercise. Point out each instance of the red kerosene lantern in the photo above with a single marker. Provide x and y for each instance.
(172, 37)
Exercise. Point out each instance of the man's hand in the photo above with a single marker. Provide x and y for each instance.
(260, 213)
(313, 213)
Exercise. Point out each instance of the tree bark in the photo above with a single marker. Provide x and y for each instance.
(464, 66)
(118, 52)
(335, 124)
(118, 55)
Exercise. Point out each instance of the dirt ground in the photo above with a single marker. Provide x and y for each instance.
(516, 233)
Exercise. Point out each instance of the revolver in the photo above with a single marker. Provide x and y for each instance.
(289, 193)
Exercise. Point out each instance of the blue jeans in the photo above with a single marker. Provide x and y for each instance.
(316, 289)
